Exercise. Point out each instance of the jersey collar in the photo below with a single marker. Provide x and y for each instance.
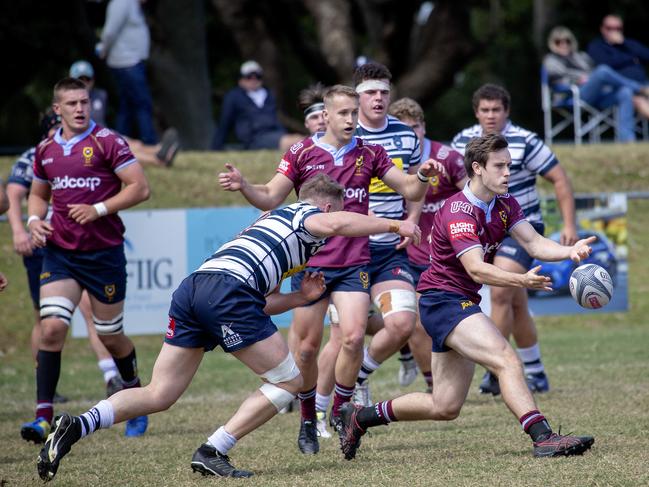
(370, 129)
(67, 145)
(475, 201)
(337, 154)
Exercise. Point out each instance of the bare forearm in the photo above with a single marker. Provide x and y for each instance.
(259, 196)
(15, 213)
(36, 205)
(277, 303)
(415, 188)
(129, 196)
(566, 202)
(548, 250)
(349, 224)
(494, 276)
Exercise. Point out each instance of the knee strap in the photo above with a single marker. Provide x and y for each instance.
(396, 300)
(109, 327)
(284, 372)
(332, 314)
(278, 396)
(57, 307)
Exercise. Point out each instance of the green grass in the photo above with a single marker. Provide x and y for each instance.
(598, 367)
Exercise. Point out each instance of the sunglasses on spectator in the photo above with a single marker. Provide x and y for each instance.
(613, 27)
(253, 76)
(558, 42)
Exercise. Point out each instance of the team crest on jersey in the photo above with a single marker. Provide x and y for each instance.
(171, 328)
(434, 183)
(398, 143)
(503, 217)
(109, 291)
(45, 275)
(230, 338)
(103, 133)
(87, 155)
(359, 166)
(365, 279)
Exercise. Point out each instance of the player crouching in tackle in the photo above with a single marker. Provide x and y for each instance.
(225, 302)
(466, 233)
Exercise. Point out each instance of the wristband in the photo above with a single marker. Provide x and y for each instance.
(394, 227)
(101, 209)
(33, 218)
(421, 177)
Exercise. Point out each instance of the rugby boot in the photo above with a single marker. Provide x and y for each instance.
(557, 445)
(35, 431)
(350, 440)
(537, 382)
(489, 384)
(307, 439)
(207, 460)
(65, 433)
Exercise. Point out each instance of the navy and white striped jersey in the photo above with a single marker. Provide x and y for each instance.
(402, 145)
(530, 157)
(22, 172)
(276, 246)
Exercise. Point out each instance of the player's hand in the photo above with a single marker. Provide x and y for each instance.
(40, 231)
(569, 235)
(403, 244)
(433, 167)
(532, 280)
(22, 243)
(410, 230)
(3, 282)
(581, 250)
(312, 286)
(232, 180)
(82, 213)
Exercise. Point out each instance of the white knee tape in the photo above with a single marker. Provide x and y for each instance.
(278, 396)
(332, 314)
(57, 307)
(284, 372)
(396, 300)
(109, 327)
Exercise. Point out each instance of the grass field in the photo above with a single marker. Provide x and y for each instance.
(598, 367)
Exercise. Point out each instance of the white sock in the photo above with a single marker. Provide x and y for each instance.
(102, 415)
(108, 367)
(322, 402)
(368, 366)
(531, 358)
(222, 441)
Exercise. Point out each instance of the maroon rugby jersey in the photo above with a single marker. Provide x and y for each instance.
(463, 223)
(440, 188)
(353, 166)
(82, 170)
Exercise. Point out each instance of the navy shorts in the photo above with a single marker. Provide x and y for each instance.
(417, 271)
(389, 264)
(101, 272)
(348, 279)
(33, 265)
(441, 311)
(511, 249)
(213, 308)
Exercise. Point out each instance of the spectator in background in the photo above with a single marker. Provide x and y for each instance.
(251, 109)
(622, 54)
(125, 44)
(162, 154)
(599, 86)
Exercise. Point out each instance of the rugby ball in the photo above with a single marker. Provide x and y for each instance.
(591, 286)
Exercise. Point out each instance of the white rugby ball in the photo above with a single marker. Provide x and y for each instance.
(591, 286)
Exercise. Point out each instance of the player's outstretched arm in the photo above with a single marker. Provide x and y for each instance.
(485, 273)
(37, 203)
(263, 196)
(311, 288)
(548, 250)
(135, 190)
(413, 186)
(348, 224)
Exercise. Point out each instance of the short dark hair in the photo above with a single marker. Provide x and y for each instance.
(68, 84)
(491, 92)
(371, 70)
(321, 187)
(310, 95)
(479, 148)
(336, 90)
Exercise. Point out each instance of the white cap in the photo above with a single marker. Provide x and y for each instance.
(82, 68)
(250, 67)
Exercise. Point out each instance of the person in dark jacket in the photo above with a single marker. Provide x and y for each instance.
(251, 110)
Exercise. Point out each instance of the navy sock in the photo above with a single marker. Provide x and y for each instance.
(127, 367)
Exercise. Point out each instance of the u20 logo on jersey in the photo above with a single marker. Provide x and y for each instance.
(462, 206)
(87, 156)
(365, 279)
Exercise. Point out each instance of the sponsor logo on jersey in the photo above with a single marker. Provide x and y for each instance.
(230, 338)
(109, 291)
(442, 153)
(171, 328)
(284, 165)
(432, 207)
(365, 279)
(466, 304)
(103, 133)
(87, 155)
(120, 141)
(317, 167)
(489, 248)
(67, 182)
(296, 147)
(398, 271)
(359, 194)
(461, 229)
(462, 206)
(359, 166)
(47, 161)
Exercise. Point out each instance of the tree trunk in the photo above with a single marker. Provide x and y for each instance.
(180, 80)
